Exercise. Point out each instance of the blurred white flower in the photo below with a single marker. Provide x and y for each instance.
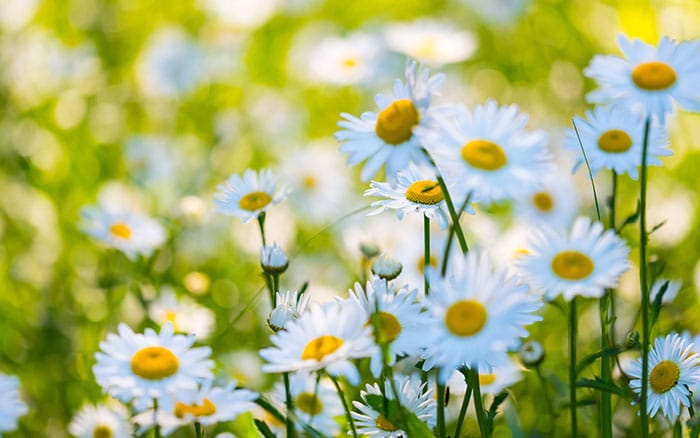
(498, 12)
(344, 60)
(244, 14)
(183, 313)
(15, 14)
(102, 420)
(11, 405)
(433, 42)
(555, 203)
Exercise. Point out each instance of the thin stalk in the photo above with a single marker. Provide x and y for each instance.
(261, 224)
(156, 431)
(547, 397)
(573, 329)
(450, 236)
(441, 410)
(694, 425)
(426, 251)
(348, 415)
(197, 429)
(678, 429)
(275, 288)
(605, 308)
(453, 215)
(473, 381)
(291, 430)
(463, 411)
(643, 286)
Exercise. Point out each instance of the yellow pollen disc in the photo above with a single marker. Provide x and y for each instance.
(309, 182)
(309, 403)
(465, 318)
(320, 347)
(154, 363)
(615, 141)
(427, 48)
(254, 201)
(102, 431)
(120, 230)
(486, 379)
(654, 75)
(389, 326)
(383, 423)
(484, 155)
(543, 201)
(206, 409)
(349, 62)
(572, 265)
(424, 192)
(395, 123)
(664, 376)
(421, 263)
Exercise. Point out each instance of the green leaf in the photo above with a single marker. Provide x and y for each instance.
(603, 386)
(264, 429)
(634, 217)
(588, 360)
(656, 305)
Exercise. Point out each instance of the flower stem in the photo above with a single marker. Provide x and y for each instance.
(453, 215)
(291, 430)
(547, 397)
(261, 224)
(573, 328)
(450, 236)
(473, 382)
(463, 410)
(441, 410)
(197, 429)
(606, 318)
(348, 415)
(156, 431)
(643, 286)
(426, 251)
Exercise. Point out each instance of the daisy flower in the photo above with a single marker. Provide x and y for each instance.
(555, 203)
(325, 337)
(344, 60)
(673, 371)
(401, 323)
(583, 262)
(613, 138)
(132, 233)
(488, 153)
(11, 405)
(433, 42)
(478, 313)
(414, 396)
(150, 366)
(102, 420)
(415, 190)
(290, 306)
(249, 196)
(492, 381)
(316, 403)
(184, 314)
(388, 136)
(648, 79)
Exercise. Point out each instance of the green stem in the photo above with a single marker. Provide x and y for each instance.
(573, 328)
(348, 415)
(441, 410)
(473, 381)
(261, 224)
(197, 429)
(643, 286)
(548, 398)
(291, 430)
(695, 425)
(453, 215)
(156, 431)
(450, 237)
(275, 288)
(463, 410)
(426, 251)
(678, 429)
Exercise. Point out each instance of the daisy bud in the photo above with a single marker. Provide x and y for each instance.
(531, 353)
(386, 268)
(290, 306)
(273, 260)
(369, 250)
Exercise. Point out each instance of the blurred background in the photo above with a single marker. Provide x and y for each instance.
(151, 104)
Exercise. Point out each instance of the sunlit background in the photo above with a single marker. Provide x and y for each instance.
(150, 104)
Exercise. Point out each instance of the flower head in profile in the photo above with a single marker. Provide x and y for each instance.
(555, 203)
(290, 306)
(273, 260)
(433, 42)
(581, 262)
(102, 420)
(11, 405)
(387, 137)
(613, 137)
(150, 366)
(673, 371)
(250, 195)
(648, 79)
(186, 315)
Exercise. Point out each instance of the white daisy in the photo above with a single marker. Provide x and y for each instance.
(183, 313)
(478, 313)
(673, 370)
(273, 260)
(150, 366)
(498, 378)
(582, 262)
(248, 196)
(555, 203)
(130, 232)
(414, 396)
(290, 306)
(415, 190)
(402, 324)
(325, 337)
(11, 405)
(613, 138)
(101, 421)
(433, 42)
(344, 60)
(488, 153)
(387, 136)
(648, 79)
(315, 406)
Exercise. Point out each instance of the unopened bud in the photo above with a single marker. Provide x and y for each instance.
(290, 306)
(369, 250)
(531, 353)
(273, 260)
(386, 268)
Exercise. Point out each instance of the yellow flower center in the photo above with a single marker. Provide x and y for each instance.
(254, 201)
(427, 48)
(383, 423)
(154, 363)
(654, 75)
(349, 62)
(486, 379)
(664, 376)
(465, 318)
(102, 431)
(395, 123)
(421, 263)
(120, 230)
(309, 182)
(321, 347)
(572, 265)
(615, 141)
(309, 403)
(543, 201)
(484, 155)
(206, 409)
(389, 327)
(424, 192)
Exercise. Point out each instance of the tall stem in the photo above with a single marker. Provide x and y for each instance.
(426, 252)
(197, 429)
(463, 411)
(156, 432)
(291, 430)
(450, 236)
(643, 286)
(348, 415)
(261, 224)
(473, 381)
(441, 410)
(453, 215)
(573, 329)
